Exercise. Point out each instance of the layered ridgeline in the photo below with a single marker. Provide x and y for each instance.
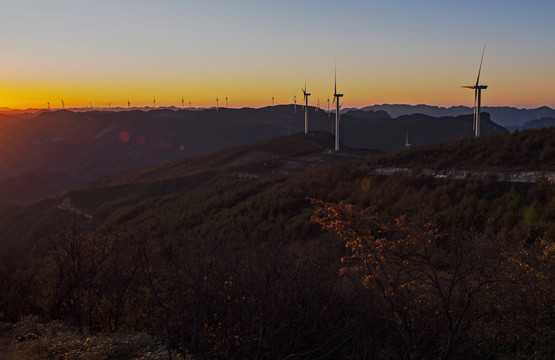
(510, 117)
(57, 150)
(225, 256)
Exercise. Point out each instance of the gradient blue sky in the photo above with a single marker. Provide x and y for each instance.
(386, 51)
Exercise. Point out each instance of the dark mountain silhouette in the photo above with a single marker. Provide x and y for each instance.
(390, 134)
(539, 123)
(60, 149)
(367, 114)
(502, 115)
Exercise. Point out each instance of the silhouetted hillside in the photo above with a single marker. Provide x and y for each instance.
(390, 134)
(539, 123)
(367, 114)
(83, 146)
(502, 115)
(526, 150)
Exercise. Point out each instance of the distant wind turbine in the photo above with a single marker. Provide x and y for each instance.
(190, 108)
(328, 101)
(477, 97)
(90, 105)
(217, 104)
(48, 103)
(128, 104)
(272, 101)
(154, 102)
(295, 102)
(63, 105)
(182, 103)
(226, 104)
(336, 97)
(306, 95)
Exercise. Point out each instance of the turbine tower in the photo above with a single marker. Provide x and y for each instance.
(226, 102)
(182, 103)
(306, 95)
(154, 102)
(328, 105)
(190, 107)
(272, 101)
(477, 98)
(128, 104)
(217, 104)
(63, 105)
(48, 103)
(295, 102)
(336, 97)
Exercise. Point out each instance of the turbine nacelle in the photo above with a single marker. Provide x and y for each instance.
(480, 87)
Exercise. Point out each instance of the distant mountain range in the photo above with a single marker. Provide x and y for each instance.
(509, 117)
(503, 115)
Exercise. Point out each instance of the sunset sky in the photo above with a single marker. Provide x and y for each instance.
(401, 51)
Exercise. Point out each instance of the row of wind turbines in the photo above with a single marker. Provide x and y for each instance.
(336, 98)
(476, 116)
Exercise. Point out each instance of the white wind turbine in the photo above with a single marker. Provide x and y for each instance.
(477, 98)
(306, 95)
(336, 97)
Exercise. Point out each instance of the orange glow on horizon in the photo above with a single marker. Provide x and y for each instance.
(251, 91)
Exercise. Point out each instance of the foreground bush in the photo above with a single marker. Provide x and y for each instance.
(31, 339)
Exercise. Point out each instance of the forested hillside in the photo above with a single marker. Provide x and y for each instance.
(284, 250)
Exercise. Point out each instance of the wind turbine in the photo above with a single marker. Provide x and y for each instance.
(128, 104)
(154, 102)
(477, 98)
(336, 97)
(226, 102)
(182, 103)
(217, 104)
(190, 107)
(63, 105)
(328, 105)
(306, 95)
(272, 101)
(90, 105)
(48, 103)
(295, 102)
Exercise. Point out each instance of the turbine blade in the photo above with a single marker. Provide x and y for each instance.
(469, 87)
(335, 78)
(480, 69)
